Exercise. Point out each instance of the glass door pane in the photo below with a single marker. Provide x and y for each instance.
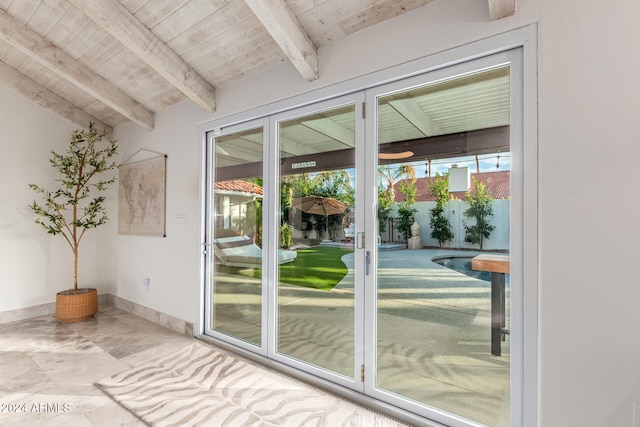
(443, 179)
(236, 230)
(315, 276)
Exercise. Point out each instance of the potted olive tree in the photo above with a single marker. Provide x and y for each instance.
(76, 206)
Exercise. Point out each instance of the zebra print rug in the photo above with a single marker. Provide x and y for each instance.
(201, 386)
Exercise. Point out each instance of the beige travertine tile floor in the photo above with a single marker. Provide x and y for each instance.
(433, 330)
(48, 369)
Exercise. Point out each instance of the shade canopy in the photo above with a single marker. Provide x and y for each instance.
(319, 205)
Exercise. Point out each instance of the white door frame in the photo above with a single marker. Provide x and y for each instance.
(272, 184)
(208, 252)
(524, 369)
(514, 59)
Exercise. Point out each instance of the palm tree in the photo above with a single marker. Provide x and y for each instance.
(390, 176)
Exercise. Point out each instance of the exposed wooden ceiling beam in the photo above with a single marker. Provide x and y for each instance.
(47, 99)
(331, 129)
(480, 141)
(291, 148)
(46, 53)
(285, 29)
(415, 115)
(501, 8)
(114, 18)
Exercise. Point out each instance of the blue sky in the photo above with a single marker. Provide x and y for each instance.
(487, 162)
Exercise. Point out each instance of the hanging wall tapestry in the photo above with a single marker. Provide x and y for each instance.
(141, 198)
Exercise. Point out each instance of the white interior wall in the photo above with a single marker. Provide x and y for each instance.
(589, 149)
(589, 143)
(34, 265)
(172, 263)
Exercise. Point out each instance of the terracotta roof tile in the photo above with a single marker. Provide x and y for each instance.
(238, 185)
(499, 186)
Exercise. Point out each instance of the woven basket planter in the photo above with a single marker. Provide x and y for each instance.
(75, 306)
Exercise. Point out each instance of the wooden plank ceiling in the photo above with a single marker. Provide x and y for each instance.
(114, 61)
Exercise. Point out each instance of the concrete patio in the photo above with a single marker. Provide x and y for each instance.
(433, 331)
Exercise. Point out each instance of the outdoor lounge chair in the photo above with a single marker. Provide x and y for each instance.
(240, 251)
(350, 232)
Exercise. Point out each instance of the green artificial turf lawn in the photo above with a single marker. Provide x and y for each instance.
(318, 267)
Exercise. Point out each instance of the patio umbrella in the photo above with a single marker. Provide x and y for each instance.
(319, 205)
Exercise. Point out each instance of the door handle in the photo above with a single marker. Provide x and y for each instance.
(367, 262)
(205, 248)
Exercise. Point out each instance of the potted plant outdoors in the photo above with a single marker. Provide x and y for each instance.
(286, 232)
(77, 206)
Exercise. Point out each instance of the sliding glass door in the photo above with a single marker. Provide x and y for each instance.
(235, 290)
(316, 300)
(443, 156)
(368, 240)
